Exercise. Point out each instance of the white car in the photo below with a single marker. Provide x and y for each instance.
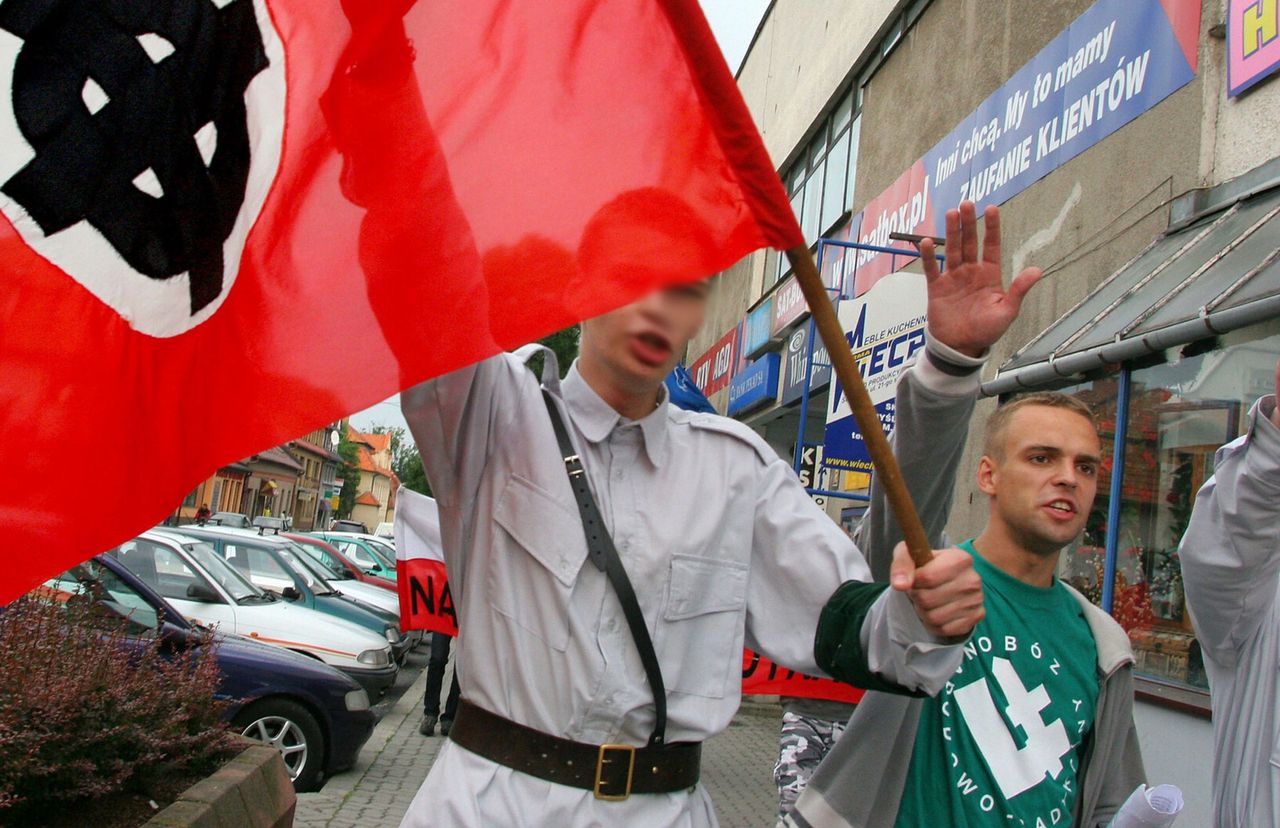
(207, 590)
(387, 531)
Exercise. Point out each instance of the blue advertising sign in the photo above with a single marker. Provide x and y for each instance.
(684, 393)
(755, 385)
(796, 355)
(1112, 64)
(759, 327)
(1116, 61)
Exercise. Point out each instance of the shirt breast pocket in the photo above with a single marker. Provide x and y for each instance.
(700, 637)
(530, 582)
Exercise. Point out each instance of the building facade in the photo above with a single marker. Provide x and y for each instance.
(315, 452)
(272, 485)
(375, 494)
(1131, 147)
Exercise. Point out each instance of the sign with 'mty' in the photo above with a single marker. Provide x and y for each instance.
(884, 327)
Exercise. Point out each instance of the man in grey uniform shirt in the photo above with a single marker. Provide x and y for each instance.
(1231, 567)
(721, 544)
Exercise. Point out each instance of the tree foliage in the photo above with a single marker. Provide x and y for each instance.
(349, 472)
(564, 344)
(406, 462)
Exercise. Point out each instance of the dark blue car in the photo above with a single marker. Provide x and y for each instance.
(317, 717)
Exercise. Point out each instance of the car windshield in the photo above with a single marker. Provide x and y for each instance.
(333, 568)
(111, 600)
(386, 554)
(239, 587)
(309, 571)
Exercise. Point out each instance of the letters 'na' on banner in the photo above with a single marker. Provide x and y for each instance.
(426, 602)
(223, 225)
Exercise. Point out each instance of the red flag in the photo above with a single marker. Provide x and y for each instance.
(230, 223)
(762, 677)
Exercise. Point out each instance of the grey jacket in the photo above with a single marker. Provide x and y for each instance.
(861, 781)
(1231, 567)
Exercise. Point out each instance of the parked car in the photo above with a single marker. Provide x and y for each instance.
(368, 553)
(336, 562)
(343, 525)
(387, 531)
(350, 580)
(201, 585)
(229, 519)
(315, 715)
(275, 563)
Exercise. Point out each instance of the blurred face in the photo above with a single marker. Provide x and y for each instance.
(631, 350)
(1044, 478)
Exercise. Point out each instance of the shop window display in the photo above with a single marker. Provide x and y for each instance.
(1179, 412)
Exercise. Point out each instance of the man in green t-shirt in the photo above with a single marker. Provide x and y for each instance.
(1035, 728)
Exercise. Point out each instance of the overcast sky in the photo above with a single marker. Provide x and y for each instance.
(733, 22)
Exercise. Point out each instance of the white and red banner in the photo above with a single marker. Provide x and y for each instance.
(426, 603)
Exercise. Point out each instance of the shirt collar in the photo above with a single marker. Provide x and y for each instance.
(596, 419)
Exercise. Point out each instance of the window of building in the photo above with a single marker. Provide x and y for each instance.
(820, 181)
(892, 36)
(1177, 414)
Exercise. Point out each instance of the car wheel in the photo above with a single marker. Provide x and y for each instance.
(291, 729)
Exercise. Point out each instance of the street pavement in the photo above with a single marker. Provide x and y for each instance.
(737, 767)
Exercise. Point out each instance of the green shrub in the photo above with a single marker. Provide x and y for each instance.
(85, 710)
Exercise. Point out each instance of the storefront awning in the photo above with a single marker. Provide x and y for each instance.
(1211, 273)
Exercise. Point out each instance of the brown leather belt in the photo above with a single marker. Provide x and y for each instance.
(609, 771)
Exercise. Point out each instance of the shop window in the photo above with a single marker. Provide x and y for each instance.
(1179, 413)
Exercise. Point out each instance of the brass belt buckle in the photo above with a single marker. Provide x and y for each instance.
(603, 759)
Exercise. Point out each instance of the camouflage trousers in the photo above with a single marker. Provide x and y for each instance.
(803, 743)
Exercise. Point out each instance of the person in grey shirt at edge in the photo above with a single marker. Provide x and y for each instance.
(722, 545)
(1230, 557)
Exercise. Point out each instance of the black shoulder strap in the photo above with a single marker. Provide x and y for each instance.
(604, 556)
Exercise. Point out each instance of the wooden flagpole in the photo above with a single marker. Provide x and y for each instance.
(846, 369)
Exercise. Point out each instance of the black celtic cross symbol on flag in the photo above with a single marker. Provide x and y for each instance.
(135, 111)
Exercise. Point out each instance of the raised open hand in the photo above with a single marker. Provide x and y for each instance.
(969, 308)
